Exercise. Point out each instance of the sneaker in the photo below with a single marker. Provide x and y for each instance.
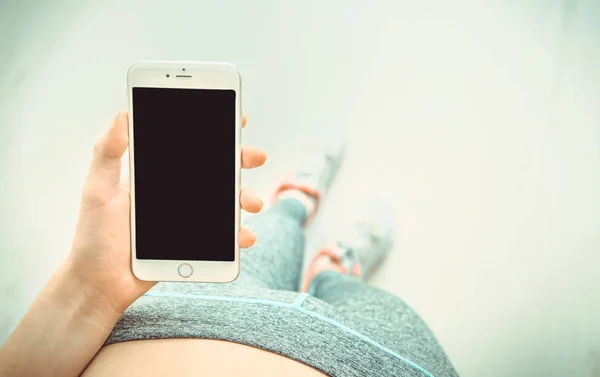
(359, 247)
(316, 173)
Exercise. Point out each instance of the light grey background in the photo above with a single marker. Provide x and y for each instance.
(480, 118)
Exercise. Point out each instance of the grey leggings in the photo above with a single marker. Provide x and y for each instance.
(276, 260)
(346, 329)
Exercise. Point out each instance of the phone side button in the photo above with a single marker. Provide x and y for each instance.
(185, 270)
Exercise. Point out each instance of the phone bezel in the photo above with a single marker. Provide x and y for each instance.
(203, 76)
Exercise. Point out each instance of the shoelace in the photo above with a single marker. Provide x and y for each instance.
(313, 165)
(348, 257)
(365, 236)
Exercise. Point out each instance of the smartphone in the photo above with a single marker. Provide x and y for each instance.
(184, 166)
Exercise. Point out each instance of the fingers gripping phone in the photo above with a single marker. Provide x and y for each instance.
(184, 160)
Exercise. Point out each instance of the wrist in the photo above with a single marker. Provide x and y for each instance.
(70, 288)
(62, 331)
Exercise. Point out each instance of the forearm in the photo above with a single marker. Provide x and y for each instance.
(61, 333)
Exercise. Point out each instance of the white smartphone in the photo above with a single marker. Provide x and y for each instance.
(185, 123)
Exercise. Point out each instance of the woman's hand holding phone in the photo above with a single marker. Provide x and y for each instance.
(100, 258)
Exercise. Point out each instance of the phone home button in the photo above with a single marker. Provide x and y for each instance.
(185, 270)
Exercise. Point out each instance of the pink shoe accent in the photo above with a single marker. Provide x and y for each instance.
(328, 250)
(288, 184)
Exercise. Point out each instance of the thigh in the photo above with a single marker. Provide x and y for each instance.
(392, 329)
(382, 316)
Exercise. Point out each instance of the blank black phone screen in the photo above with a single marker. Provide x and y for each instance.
(184, 145)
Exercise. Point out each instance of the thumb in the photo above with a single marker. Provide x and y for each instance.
(105, 169)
